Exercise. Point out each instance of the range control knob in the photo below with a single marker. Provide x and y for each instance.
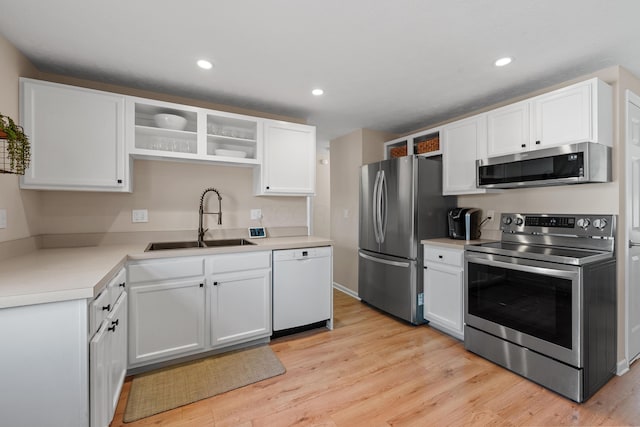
(519, 221)
(600, 223)
(583, 223)
(507, 220)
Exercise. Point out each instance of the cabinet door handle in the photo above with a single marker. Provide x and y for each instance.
(123, 284)
(106, 307)
(202, 285)
(119, 181)
(440, 256)
(112, 328)
(267, 187)
(523, 145)
(115, 322)
(538, 142)
(215, 283)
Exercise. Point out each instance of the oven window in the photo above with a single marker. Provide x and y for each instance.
(534, 304)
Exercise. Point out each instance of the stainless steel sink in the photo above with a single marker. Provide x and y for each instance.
(227, 242)
(159, 246)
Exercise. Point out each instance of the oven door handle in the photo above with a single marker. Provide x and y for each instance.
(525, 268)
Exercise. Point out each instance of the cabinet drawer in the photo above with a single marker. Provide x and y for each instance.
(166, 269)
(443, 255)
(116, 286)
(99, 310)
(241, 261)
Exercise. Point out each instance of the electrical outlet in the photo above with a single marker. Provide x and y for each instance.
(139, 215)
(256, 213)
(3, 218)
(491, 215)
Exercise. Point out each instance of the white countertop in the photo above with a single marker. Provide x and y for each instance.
(453, 243)
(50, 275)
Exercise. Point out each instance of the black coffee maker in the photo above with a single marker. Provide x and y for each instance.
(464, 223)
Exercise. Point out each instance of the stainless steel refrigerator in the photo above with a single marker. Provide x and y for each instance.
(401, 203)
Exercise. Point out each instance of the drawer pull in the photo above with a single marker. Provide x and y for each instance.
(122, 285)
(115, 322)
(112, 328)
(202, 285)
(215, 283)
(106, 307)
(440, 256)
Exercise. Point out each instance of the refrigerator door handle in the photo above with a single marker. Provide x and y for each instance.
(385, 261)
(374, 210)
(383, 207)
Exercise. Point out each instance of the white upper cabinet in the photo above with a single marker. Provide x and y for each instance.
(577, 113)
(508, 129)
(289, 160)
(77, 137)
(82, 139)
(462, 143)
(233, 137)
(157, 129)
(424, 143)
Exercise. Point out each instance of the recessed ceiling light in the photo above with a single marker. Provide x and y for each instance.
(317, 92)
(204, 64)
(503, 61)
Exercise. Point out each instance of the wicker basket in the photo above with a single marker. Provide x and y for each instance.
(428, 146)
(4, 155)
(398, 152)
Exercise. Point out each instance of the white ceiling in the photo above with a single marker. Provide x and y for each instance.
(392, 65)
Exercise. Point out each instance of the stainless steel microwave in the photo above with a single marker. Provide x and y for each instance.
(567, 164)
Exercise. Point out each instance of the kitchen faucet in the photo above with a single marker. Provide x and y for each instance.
(201, 231)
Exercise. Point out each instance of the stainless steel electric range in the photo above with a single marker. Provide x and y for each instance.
(542, 301)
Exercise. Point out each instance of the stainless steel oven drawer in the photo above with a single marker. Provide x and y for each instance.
(557, 376)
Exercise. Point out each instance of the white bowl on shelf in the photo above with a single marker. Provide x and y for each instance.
(170, 121)
(230, 153)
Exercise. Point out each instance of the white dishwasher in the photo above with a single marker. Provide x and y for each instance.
(302, 287)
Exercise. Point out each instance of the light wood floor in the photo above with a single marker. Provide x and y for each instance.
(373, 370)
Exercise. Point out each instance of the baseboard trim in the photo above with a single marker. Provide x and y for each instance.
(622, 367)
(346, 290)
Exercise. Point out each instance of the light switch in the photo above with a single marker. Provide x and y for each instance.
(139, 215)
(256, 213)
(3, 218)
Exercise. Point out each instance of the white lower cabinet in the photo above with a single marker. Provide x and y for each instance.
(107, 349)
(240, 306)
(167, 320)
(108, 364)
(187, 305)
(443, 289)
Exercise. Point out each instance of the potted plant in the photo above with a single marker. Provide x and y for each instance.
(15, 151)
